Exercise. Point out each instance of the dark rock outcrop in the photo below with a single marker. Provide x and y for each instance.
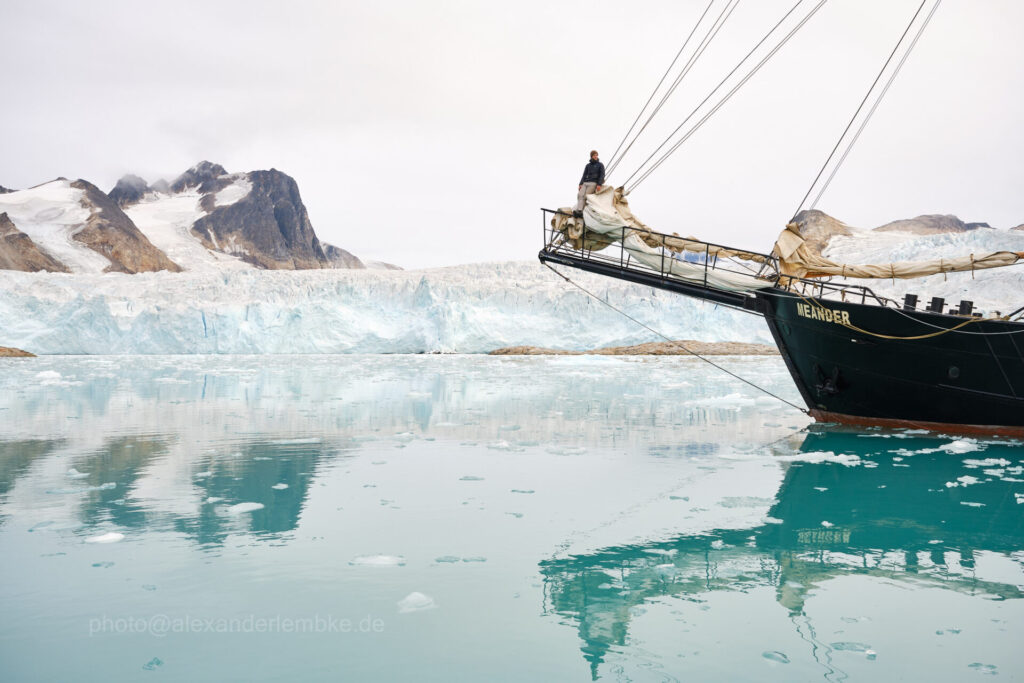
(203, 175)
(268, 228)
(19, 252)
(110, 232)
(5, 190)
(129, 190)
(10, 352)
(817, 227)
(1018, 227)
(931, 224)
(340, 258)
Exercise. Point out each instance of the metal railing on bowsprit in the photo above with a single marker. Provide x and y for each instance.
(610, 255)
(612, 250)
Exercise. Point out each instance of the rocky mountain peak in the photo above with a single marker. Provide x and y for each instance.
(19, 252)
(112, 233)
(817, 227)
(129, 190)
(931, 224)
(4, 190)
(268, 227)
(202, 173)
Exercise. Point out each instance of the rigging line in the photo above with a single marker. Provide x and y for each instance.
(611, 161)
(672, 341)
(712, 33)
(877, 102)
(721, 103)
(859, 108)
(716, 88)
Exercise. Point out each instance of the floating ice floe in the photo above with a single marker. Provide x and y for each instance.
(815, 457)
(111, 537)
(776, 656)
(966, 480)
(415, 602)
(280, 487)
(242, 508)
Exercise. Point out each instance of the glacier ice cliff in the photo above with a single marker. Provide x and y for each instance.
(461, 309)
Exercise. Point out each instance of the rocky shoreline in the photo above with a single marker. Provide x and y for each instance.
(651, 349)
(7, 352)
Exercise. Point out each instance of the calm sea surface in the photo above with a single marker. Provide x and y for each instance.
(451, 518)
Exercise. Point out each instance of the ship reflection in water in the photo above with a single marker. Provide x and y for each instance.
(481, 506)
(905, 515)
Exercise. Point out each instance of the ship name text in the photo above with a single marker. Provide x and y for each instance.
(829, 315)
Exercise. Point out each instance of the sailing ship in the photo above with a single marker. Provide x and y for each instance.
(857, 357)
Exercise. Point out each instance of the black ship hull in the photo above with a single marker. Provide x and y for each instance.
(867, 364)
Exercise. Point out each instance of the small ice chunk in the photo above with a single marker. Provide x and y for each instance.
(153, 664)
(280, 487)
(202, 475)
(522, 490)
(214, 499)
(111, 537)
(446, 559)
(847, 646)
(75, 474)
(776, 656)
(827, 524)
(242, 508)
(415, 602)
(986, 669)
(961, 446)
(378, 561)
(470, 478)
(48, 375)
(474, 559)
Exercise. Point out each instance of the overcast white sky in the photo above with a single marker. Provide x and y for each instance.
(429, 133)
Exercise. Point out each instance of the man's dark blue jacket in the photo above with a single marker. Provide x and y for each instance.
(593, 172)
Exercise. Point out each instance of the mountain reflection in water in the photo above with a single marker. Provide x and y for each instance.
(909, 512)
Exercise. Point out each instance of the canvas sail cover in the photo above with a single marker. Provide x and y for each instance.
(799, 258)
(607, 219)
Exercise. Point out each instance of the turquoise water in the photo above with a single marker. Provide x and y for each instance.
(447, 518)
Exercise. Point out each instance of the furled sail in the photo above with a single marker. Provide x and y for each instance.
(607, 219)
(802, 259)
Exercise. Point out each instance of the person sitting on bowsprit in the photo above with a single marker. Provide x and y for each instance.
(591, 182)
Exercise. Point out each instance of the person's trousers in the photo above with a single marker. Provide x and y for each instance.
(581, 196)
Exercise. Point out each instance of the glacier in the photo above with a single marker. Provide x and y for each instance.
(474, 308)
(220, 308)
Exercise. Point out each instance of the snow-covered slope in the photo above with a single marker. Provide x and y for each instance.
(469, 309)
(166, 219)
(50, 214)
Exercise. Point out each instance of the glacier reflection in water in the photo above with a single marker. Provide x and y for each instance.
(487, 519)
